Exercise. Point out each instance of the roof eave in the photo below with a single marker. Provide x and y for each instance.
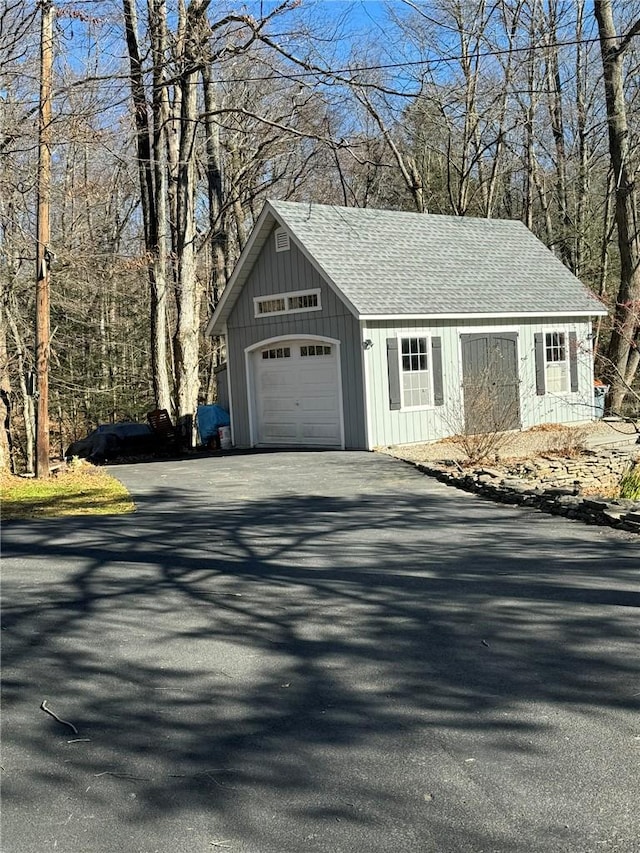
(485, 315)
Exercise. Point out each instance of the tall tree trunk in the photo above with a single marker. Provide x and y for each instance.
(529, 152)
(489, 190)
(189, 291)
(623, 347)
(28, 409)
(218, 237)
(5, 390)
(582, 189)
(149, 195)
(217, 231)
(608, 226)
(555, 107)
(159, 306)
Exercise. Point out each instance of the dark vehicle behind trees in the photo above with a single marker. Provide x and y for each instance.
(110, 441)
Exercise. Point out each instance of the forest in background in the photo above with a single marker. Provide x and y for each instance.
(173, 122)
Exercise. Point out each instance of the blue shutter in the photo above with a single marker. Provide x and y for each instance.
(573, 360)
(393, 369)
(436, 369)
(539, 348)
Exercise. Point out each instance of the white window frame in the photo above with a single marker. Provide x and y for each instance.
(566, 362)
(429, 371)
(258, 300)
(263, 299)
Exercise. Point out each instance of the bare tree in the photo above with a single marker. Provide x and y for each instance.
(624, 348)
(18, 113)
(149, 146)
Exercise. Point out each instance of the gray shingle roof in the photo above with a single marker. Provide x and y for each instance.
(388, 263)
(392, 263)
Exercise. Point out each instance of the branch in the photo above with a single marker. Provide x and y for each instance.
(626, 40)
(275, 124)
(610, 364)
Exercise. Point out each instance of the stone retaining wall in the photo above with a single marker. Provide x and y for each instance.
(589, 473)
(554, 484)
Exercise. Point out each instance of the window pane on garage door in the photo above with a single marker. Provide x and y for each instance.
(297, 398)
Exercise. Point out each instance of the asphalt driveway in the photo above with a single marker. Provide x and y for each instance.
(286, 652)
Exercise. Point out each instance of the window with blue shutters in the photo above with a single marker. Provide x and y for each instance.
(414, 364)
(414, 372)
(556, 362)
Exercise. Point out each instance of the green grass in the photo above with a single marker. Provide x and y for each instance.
(82, 489)
(630, 484)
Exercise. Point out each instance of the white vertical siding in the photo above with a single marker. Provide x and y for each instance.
(403, 427)
(557, 408)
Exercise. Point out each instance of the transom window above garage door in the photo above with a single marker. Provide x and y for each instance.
(315, 349)
(287, 303)
(277, 352)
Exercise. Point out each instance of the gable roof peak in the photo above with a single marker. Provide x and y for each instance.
(391, 263)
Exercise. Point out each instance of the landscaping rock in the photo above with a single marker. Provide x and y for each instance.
(553, 488)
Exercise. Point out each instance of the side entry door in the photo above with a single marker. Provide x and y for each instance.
(491, 382)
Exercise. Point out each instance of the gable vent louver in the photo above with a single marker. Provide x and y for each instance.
(282, 240)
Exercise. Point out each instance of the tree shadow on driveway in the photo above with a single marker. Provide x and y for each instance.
(413, 669)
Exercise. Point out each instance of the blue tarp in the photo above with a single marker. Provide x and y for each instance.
(209, 419)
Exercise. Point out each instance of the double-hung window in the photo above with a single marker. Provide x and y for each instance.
(414, 372)
(414, 367)
(556, 362)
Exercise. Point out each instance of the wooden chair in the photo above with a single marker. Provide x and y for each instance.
(163, 428)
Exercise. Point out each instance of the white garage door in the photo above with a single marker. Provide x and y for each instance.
(297, 394)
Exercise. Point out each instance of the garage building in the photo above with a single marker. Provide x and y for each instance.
(356, 328)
